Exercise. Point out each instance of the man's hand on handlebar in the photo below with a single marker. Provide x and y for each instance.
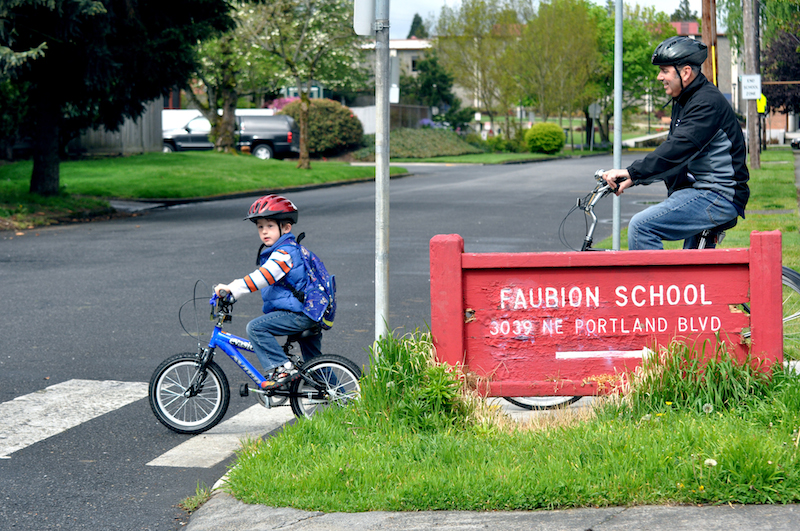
(618, 180)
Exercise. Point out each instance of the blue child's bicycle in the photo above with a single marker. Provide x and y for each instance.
(189, 393)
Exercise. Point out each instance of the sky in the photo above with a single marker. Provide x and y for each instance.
(401, 12)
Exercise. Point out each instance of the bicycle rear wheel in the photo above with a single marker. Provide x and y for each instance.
(538, 403)
(178, 409)
(327, 380)
(791, 314)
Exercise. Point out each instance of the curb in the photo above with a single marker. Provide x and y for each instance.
(132, 205)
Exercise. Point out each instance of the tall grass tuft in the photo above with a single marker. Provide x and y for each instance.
(407, 385)
(681, 376)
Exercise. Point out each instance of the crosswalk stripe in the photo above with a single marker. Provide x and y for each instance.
(34, 417)
(221, 441)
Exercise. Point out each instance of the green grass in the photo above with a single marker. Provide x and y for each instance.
(156, 176)
(191, 503)
(662, 444)
(182, 175)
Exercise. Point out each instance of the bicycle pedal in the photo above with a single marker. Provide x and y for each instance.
(244, 390)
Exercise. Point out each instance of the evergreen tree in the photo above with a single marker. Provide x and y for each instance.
(417, 28)
(683, 13)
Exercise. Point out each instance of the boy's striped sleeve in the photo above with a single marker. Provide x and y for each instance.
(274, 269)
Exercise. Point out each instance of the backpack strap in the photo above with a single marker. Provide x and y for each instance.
(300, 296)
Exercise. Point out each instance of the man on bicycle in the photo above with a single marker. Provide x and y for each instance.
(702, 162)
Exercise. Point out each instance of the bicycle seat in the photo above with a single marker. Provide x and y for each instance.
(725, 226)
(311, 332)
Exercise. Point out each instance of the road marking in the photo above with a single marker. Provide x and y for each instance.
(221, 441)
(34, 417)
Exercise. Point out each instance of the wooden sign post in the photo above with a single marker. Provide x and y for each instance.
(539, 324)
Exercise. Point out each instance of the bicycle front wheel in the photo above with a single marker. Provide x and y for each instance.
(538, 403)
(176, 407)
(327, 380)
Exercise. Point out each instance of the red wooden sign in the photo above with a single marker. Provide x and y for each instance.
(559, 323)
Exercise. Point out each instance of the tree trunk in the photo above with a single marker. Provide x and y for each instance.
(304, 163)
(45, 176)
(225, 125)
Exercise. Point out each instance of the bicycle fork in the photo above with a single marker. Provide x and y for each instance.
(196, 383)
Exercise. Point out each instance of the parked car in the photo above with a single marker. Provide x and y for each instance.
(796, 143)
(263, 136)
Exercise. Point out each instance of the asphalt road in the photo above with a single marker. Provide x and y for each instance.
(99, 302)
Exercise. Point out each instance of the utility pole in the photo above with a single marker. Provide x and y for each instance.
(752, 66)
(371, 18)
(615, 204)
(709, 30)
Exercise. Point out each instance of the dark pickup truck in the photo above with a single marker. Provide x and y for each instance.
(263, 136)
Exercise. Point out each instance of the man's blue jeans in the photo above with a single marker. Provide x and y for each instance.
(261, 332)
(681, 216)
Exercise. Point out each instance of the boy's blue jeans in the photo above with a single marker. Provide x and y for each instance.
(681, 216)
(261, 332)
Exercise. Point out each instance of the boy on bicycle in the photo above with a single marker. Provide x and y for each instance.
(281, 276)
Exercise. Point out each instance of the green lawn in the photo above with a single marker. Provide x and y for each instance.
(726, 434)
(86, 184)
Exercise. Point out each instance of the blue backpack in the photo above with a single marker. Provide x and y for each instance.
(319, 296)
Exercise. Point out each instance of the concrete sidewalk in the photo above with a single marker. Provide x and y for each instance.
(224, 513)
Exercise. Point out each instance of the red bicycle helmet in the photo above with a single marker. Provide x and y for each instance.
(273, 207)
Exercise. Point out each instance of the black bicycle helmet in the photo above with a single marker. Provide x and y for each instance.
(679, 51)
(273, 207)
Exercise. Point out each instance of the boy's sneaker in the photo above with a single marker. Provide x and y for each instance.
(281, 376)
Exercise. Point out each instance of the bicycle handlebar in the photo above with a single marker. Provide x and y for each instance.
(221, 305)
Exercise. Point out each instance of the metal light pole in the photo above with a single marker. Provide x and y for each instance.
(371, 18)
(382, 169)
(617, 116)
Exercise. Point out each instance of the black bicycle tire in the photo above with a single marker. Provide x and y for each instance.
(520, 401)
(160, 388)
(300, 389)
(791, 313)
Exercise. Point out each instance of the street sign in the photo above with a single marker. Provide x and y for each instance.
(751, 87)
(540, 324)
(761, 104)
(594, 111)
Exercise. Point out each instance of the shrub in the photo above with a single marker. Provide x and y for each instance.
(419, 144)
(545, 138)
(503, 144)
(332, 127)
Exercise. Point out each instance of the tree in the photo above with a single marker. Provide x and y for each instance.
(782, 63)
(471, 40)
(642, 30)
(775, 16)
(315, 42)
(433, 87)
(551, 66)
(683, 13)
(228, 68)
(102, 61)
(418, 29)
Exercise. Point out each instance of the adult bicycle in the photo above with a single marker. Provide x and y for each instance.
(189, 392)
(709, 238)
